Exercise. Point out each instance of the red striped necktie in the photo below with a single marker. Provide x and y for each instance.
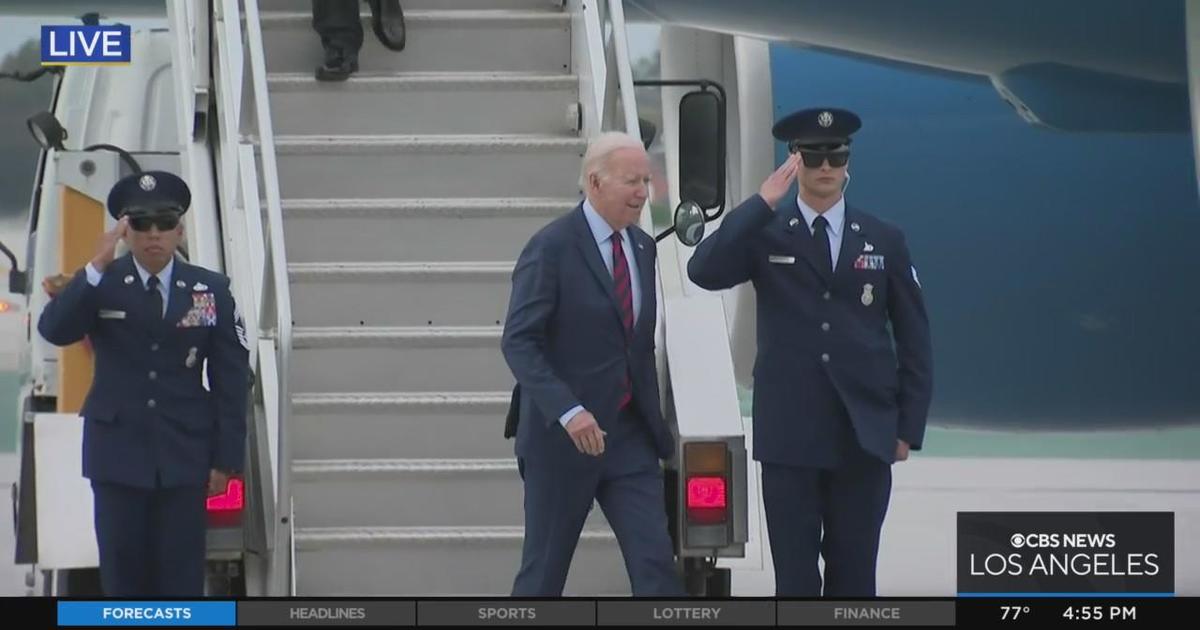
(624, 292)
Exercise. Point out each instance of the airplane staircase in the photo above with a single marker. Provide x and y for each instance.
(407, 193)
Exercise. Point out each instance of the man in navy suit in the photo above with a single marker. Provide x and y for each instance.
(838, 397)
(155, 441)
(579, 339)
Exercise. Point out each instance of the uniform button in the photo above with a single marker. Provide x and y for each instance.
(825, 326)
(151, 404)
(824, 358)
(153, 347)
(153, 375)
(827, 295)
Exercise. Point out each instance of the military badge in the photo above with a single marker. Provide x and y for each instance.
(868, 297)
(190, 361)
(867, 247)
(128, 279)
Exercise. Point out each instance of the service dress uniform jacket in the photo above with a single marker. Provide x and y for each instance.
(152, 431)
(864, 330)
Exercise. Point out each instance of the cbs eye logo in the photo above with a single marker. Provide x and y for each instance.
(1035, 540)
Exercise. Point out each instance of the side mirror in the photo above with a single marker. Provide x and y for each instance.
(701, 157)
(702, 149)
(18, 282)
(689, 223)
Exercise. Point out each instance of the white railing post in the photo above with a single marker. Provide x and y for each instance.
(257, 257)
(281, 562)
(624, 72)
(191, 90)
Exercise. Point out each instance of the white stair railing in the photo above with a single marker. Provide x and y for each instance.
(254, 252)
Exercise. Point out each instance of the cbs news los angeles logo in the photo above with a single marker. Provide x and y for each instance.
(1068, 553)
(81, 45)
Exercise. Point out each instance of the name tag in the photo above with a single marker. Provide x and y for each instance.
(111, 314)
(873, 262)
(782, 260)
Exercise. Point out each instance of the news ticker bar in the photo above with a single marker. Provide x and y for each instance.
(965, 612)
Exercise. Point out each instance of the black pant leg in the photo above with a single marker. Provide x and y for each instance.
(122, 522)
(338, 24)
(178, 540)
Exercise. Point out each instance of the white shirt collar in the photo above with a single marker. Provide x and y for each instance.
(601, 230)
(836, 216)
(164, 276)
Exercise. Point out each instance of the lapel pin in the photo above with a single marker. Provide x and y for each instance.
(128, 279)
(854, 226)
(868, 247)
(180, 283)
(794, 222)
(200, 286)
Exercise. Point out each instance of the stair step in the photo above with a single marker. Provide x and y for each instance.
(440, 103)
(400, 359)
(489, 40)
(400, 294)
(409, 492)
(471, 561)
(379, 230)
(423, 424)
(415, 492)
(425, 166)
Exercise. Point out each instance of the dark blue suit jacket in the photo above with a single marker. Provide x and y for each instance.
(565, 343)
(885, 386)
(142, 356)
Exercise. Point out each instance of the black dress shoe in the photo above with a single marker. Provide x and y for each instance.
(337, 67)
(387, 20)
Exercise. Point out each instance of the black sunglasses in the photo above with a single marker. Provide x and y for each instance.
(814, 159)
(164, 222)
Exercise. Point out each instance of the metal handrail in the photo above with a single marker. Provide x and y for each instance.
(270, 306)
(281, 561)
(625, 87)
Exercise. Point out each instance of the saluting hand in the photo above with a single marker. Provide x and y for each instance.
(586, 433)
(106, 247)
(778, 183)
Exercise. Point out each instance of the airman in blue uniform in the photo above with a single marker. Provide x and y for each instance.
(156, 442)
(843, 374)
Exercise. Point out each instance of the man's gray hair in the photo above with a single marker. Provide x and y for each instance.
(601, 148)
